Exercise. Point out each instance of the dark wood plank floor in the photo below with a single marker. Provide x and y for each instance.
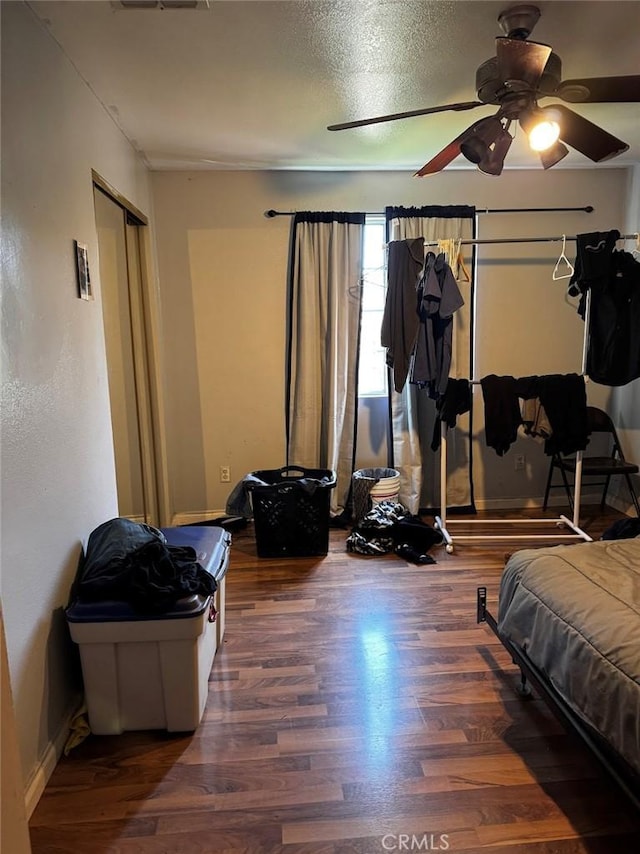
(354, 708)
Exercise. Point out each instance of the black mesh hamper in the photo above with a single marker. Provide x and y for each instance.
(291, 511)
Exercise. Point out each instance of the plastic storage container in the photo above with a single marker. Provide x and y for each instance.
(291, 511)
(151, 672)
(206, 539)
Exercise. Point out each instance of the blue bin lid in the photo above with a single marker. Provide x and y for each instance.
(115, 611)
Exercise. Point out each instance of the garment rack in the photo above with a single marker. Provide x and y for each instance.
(561, 521)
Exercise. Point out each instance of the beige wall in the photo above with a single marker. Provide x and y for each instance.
(58, 478)
(222, 267)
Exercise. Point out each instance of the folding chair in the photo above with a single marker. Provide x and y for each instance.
(604, 467)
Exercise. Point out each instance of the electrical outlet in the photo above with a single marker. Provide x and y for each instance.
(519, 462)
(225, 474)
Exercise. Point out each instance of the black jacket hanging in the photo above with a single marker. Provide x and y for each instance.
(613, 356)
(613, 279)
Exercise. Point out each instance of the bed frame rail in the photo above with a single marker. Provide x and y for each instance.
(613, 764)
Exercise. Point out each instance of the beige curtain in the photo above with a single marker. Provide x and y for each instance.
(413, 413)
(324, 327)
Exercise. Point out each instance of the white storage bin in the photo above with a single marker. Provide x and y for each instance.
(152, 673)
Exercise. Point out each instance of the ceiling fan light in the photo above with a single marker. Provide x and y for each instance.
(493, 162)
(483, 134)
(474, 149)
(544, 134)
(553, 155)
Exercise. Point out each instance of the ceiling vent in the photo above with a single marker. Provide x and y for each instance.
(160, 4)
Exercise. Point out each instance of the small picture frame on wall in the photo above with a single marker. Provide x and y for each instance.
(82, 270)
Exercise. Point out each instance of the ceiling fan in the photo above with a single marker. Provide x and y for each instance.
(521, 73)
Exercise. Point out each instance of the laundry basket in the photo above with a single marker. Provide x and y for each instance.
(291, 510)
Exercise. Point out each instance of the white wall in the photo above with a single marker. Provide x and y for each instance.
(223, 265)
(58, 479)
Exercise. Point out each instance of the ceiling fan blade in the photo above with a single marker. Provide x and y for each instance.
(589, 139)
(600, 90)
(465, 105)
(449, 152)
(521, 60)
(442, 159)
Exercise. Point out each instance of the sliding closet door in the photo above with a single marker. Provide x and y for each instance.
(122, 309)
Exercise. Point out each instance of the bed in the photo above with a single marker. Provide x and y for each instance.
(570, 617)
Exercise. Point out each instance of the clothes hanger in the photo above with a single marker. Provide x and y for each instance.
(462, 267)
(563, 260)
(453, 255)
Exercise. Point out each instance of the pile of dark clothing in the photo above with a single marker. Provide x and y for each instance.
(131, 562)
(622, 529)
(389, 527)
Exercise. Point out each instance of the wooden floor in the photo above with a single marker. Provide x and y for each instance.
(354, 708)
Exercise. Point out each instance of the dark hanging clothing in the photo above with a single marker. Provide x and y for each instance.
(613, 356)
(563, 397)
(400, 319)
(613, 278)
(438, 298)
(501, 412)
(455, 401)
(593, 255)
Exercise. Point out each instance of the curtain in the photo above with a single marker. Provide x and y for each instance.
(412, 412)
(323, 340)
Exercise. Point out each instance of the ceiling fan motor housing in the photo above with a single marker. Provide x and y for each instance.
(492, 90)
(518, 21)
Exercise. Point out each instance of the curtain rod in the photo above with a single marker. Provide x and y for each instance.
(587, 209)
(524, 240)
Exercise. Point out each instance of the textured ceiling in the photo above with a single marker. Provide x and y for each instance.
(239, 84)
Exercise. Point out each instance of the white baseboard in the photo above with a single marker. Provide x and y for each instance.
(190, 517)
(44, 769)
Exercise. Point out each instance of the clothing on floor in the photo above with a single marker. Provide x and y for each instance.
(388, 526)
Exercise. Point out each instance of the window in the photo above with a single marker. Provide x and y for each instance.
(372, 376)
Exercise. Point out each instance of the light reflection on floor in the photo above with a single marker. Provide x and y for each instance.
(377, 667)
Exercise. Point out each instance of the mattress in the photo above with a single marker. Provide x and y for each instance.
(575, 611)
